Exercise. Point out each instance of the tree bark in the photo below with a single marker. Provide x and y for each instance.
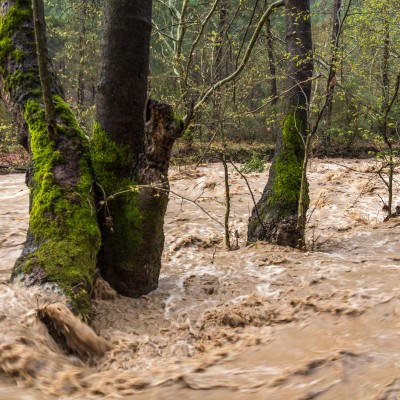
(220, 62)
(383, 118)
(272, 65)
(337, 4)
(274, 218)
(80, 90)
(131, 149)
(63, 236)
(128, 152)
(43, 61)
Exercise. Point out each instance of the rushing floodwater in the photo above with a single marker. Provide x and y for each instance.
(260, 322)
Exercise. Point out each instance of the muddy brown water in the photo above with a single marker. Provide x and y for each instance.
(261, 322)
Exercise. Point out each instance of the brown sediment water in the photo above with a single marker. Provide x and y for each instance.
(260, 322)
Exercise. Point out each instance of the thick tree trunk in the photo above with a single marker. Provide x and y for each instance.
(275, 219)
(63, 236)
(129, 151)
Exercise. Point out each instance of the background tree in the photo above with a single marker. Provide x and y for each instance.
(377, 68)
(250, 115)
(200, 63)
(275, 217)
(74, 28)
(333, 66)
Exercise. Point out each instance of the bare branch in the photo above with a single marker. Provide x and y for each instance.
(251, 193)
(196, 41)
(246, 57)
(135, 188)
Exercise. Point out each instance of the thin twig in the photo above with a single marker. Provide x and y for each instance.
(134, 188)
(251, 193)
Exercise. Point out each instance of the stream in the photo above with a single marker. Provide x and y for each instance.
(259, 322)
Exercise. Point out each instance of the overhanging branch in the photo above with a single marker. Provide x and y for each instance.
(246, 57)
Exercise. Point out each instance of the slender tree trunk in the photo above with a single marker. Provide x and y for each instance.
(218, 124)
(272, 66)
(384, 114)
(129, 151)
(278, 206)
(337, 4)
(43, 62)
(80, 92)
(218, 70)
(385, 66)
(220, 64)
(227, 204)
(63, 236)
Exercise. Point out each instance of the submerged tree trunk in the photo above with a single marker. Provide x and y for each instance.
(276, 216)
(130, 149)
(63, 237)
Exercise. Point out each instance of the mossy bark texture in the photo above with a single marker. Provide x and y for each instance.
(63, 237)
(72, 229)
(131, 150)
(275, 217)
(132, 207)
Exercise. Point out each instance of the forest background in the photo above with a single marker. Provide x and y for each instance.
(196, 44)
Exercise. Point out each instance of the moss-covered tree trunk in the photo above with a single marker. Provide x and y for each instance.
(275, 217)
(131, 148)
(63, 237)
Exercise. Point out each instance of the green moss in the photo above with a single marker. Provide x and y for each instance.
(62, 218)
(63, 223)
(112, 166)
(36, 93)
(69, 125)
(175, 119)
(109, 159)
(18, 55)
(188, 135)
(65, 114)
(127, 227)
(18, 14)
(5, 49)
(288, 165)
(15, 18)
(19, 79)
